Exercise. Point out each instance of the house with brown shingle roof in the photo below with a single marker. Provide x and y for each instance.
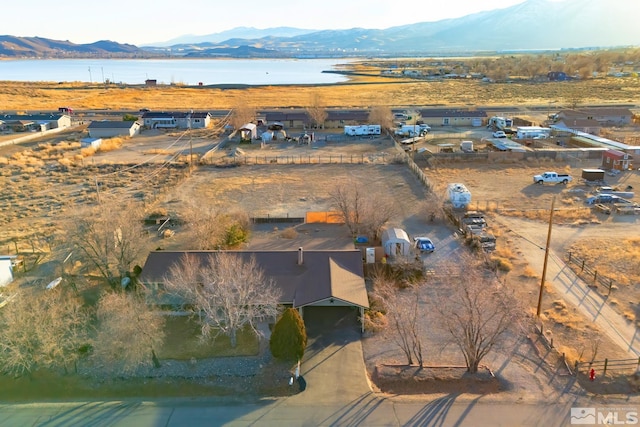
(605, 116)
(452, 117)
(315, 278)
(583, 125)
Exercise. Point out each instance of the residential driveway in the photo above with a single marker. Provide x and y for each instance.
(333, 369)
(531, 239)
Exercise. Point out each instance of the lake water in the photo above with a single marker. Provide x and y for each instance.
(174, 71)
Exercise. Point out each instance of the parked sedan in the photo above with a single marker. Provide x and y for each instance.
(499, 134)
(424, 244)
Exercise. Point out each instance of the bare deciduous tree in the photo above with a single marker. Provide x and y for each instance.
(316, 111)
(361, 211)
(382, 115)
(42, 329)
(404, 314)
(475, 309)
(226, 292)
(128, 333)
(213, 229)
(109, 237)
(242, 114)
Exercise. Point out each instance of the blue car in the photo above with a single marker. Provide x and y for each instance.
(424, 244)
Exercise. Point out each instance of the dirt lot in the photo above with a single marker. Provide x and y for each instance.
(43, 189)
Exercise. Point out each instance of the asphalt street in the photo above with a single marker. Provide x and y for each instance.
(366, 410)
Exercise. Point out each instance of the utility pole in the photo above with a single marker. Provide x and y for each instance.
(190, 146)
(546, 258)
(97, 189)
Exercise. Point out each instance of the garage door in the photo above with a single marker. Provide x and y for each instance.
(323, 319)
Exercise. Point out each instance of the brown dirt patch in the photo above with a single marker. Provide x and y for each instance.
(403, 379)
(611, 385)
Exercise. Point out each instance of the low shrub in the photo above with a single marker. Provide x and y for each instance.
(289, 233)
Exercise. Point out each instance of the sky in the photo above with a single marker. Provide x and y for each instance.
(146, 22)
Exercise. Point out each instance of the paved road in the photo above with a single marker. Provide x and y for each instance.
(531, 239)
(367, 410)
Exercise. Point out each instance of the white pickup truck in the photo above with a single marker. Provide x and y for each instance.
(552, 177)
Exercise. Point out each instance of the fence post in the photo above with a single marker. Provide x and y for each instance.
(569, 256)
(610, 285)
(595, 277)
(606, 362)
(582, 268)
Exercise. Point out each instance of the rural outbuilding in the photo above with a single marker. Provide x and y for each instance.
(618, 160)
(6, 270)
(248, 132)
(395, 242)
(594, 175)
(110, 129)
(91, 142)
(446, 117)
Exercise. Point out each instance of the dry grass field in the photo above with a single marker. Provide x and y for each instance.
(359, 92)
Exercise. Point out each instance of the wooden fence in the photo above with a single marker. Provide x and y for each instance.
(590, 274)
(276, 219)
(413, 167)
(378, 158)
(601, 367)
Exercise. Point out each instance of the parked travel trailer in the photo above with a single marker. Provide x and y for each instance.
(459, 195)
(361, 130)
(499, 123)
(412, 130)
(533, 132)
(466, 146)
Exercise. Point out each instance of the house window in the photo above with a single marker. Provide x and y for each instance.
(445, 121)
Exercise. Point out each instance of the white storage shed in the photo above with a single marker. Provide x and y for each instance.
(6, 270)
(248, 132)
(395, 242)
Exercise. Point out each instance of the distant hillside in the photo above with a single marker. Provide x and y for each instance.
(233, 52)
(235, 33)
(531, 25)
(37, 47)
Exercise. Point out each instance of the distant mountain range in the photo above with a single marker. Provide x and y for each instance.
(28, 47)
(532, 25)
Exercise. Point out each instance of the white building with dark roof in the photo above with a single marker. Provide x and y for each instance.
(110, 129)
